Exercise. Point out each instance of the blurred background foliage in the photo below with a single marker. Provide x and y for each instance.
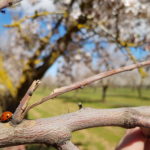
(63, 41)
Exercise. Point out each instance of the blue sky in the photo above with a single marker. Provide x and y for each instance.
(139, 53)
(52, 71)
(5, 19)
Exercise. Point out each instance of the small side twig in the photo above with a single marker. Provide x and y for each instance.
(18, 114)
(80, 105)
(86, 82)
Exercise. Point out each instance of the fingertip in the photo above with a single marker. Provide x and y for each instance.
(133, 140)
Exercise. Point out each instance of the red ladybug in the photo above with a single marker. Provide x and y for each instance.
(6, 116)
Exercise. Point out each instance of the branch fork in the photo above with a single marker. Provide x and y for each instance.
(23, 107)
(56, 131)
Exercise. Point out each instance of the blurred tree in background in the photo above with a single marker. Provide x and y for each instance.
(85, 37)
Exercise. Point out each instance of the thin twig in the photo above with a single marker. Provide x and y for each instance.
(87, 81)
(18, 114)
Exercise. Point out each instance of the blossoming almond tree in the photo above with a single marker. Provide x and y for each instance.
(39, 54)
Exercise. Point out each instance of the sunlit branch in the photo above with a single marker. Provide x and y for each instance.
(85, 82)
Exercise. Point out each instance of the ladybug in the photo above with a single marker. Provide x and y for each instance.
(6, 116)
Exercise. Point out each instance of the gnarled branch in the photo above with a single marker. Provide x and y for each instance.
(57, 130)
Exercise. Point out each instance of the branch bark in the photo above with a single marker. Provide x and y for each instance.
(57, 130)
(86, 82)
(18, 114)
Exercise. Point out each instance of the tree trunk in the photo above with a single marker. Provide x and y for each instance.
(139, 88)
(139, 91)
(104, 91)
(8, 102)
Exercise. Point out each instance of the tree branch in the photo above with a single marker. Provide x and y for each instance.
(86, 82)
(18, 114)
(57, 130)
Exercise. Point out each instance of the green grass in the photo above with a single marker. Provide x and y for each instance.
(104, 138)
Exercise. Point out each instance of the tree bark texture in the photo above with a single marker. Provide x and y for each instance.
(57, 130)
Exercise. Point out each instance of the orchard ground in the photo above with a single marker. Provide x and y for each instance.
(102, 138)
